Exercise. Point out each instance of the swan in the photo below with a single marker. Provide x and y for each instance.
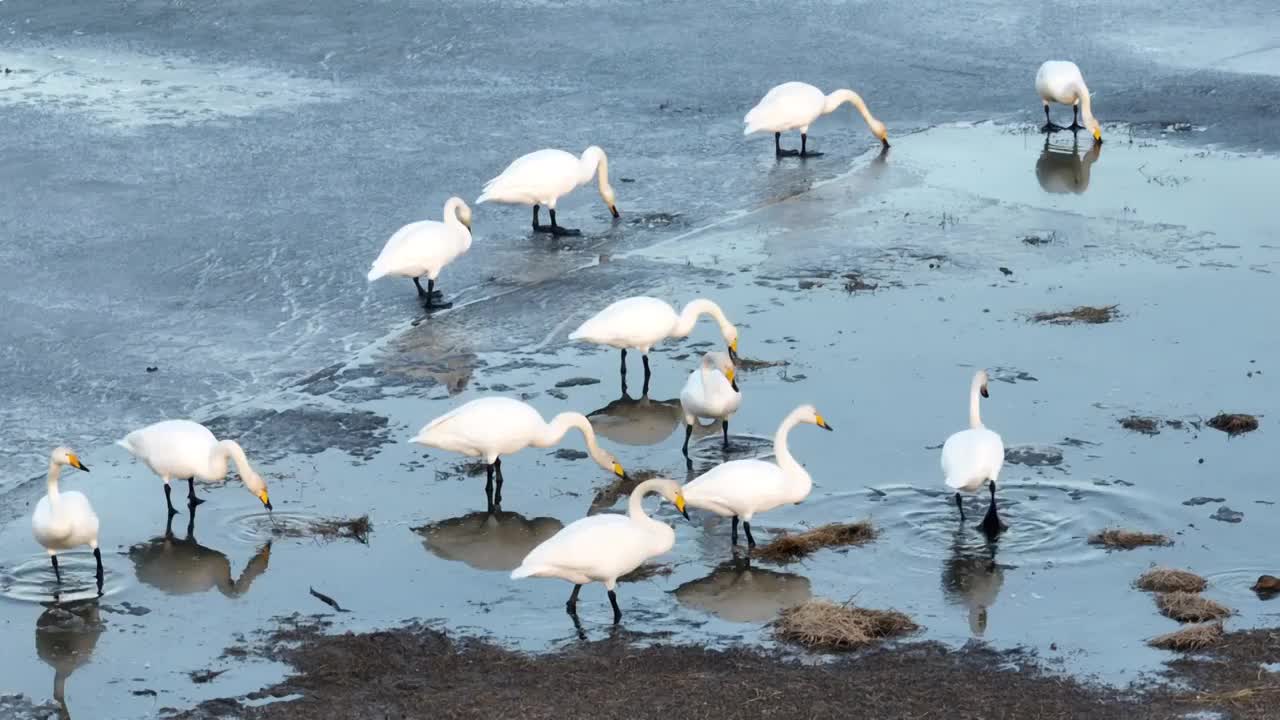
(490, 427)
(487, 540)
(795, 105)
(177, 449)
(1060, 81)
(710, 392)
(640, 421)
(182, 566)
(639, 323)
(65, 520)
(425, 247)
(737, 592)
(66, 636)
(542, 177)
(602, 548)
(974, 456)
(742, 488)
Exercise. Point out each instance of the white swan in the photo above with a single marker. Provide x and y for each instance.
(602, 548)
(974, 456)
(639, 323)
(425, 247)
(183, 449)
(742, 488)
(1060, 81)
(65, 520)
(710, 392)
(544, 176)
(795, 105)
(490, 427)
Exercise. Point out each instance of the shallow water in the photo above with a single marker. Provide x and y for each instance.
(1173, 235)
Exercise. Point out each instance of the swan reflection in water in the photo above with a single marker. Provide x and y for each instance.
(737, 592)
(184, 566)
(972, 578)
(496, 540)
(65, 638)
(642, 421)
(1063, 170)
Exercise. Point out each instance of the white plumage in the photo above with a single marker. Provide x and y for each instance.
(544, 176)
(742, 488)
(710, 392)
(975, 456)
(796, 105)
(187, 450)
(602, 548)
(639, 323)
(424, 248)
(64, 520)
(1060, 81)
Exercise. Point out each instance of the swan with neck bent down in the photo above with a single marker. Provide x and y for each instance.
(602, 548)
(742, 488)
(1060, 81)
(65, 520)
(184, 449)
(710, 392)
(974, 456)
(491, 427)
(425, 247)
(544, 176)
(639, 323)
(795, 106)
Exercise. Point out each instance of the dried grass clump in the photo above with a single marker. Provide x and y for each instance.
(1163, 579)
(791, 547)
(1085, 314)
(357, 529)
(1144, 425)
(824, 625)
(1119, 539)
(1190, 607)
(1190, 638)
(1233, 423)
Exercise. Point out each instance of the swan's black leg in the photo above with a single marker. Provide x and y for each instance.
(537, 226)
(777, 147)
(991, 524)
(960, 507)
(57, 574)
(725, 428)
(647, 373)
(804, 142)
(432, 297)
(418, 284)
(557, 230)
(623, 366)
(688, 430)
(571, 606)
(617, 611)
(1048, 124)
(488, 484)
(192, 500)
(1075, 119)
(733, 533)
(168, 498)
(97, 555)
(497, 493)
(746, 526)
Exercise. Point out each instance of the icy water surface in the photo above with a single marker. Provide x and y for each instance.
(879, 293)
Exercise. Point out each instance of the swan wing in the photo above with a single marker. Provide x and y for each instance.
(489, 425)
(785, 107)
(419, 248)
(971, 457)
(637, 322)
(598, 547)
(178, 448)
(742, 486)
(1058, 81)
(540, 176)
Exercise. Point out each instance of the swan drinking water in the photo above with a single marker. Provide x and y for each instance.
(178, 449)
(544, 176)
(710, 392)
(639, 323)
(425, 247)
(494, 426)
(974, 456)
(602, 548)
(742, 488)
(1060, 81)
(795, 105)
(65, 520)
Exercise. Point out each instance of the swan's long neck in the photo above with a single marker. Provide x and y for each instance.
(975, 419)
(689, 316)
(595, 162)
(1086, 103)
(794, 471)
(230, 449)
(839, 97)
(635, 505)
(566, 421)
(452, 220)
(52, 481)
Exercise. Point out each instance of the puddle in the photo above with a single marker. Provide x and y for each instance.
(32, 580)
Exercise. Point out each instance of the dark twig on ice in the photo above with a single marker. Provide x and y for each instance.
(327, 600)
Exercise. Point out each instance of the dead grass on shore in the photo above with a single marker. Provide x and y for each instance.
(825, 625)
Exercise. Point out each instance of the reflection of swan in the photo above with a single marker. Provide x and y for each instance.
(1064, 171)
(737, 592)
(65, 638)
(184, 566)
(487, 541)
(971, 577)
(637, 421)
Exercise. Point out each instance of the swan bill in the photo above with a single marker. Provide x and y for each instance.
(74, 461)
(266, 500)
(614, 210)
(617, 470)
(680, 505)
(984, 392)
(822, 423)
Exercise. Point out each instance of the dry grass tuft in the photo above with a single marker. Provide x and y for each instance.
(1192, 637)
(1085, 314)
(1119, 539)
(1233, 423)
(1163, 579)
(1144, 425)
(791, 547)
(357, 529)
(1190, 607)
(824, 625)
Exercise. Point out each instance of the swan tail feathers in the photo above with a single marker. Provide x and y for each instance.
(524, 571)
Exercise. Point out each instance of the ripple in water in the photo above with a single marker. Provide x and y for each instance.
(1237, 584)
(33, 581)
(255, 528)
(1048, 522)
(710, 450)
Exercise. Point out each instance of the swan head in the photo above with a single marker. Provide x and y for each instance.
(67, 456)
(671, 491)
(1094, 127)
(980, 382)
(880, 131)
(464, 213)
(256, 485)
(610, 199)
(809, 414)
(722, 362)
(730, 333)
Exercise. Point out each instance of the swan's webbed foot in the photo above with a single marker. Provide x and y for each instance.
(168, 499)
(554, 228)
(1051, 128)
(805, 152)
(564, 231)
(192, 500)
(617, 611)
(779, 152)
(433, 303)
(992, 525)
(811, 154)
